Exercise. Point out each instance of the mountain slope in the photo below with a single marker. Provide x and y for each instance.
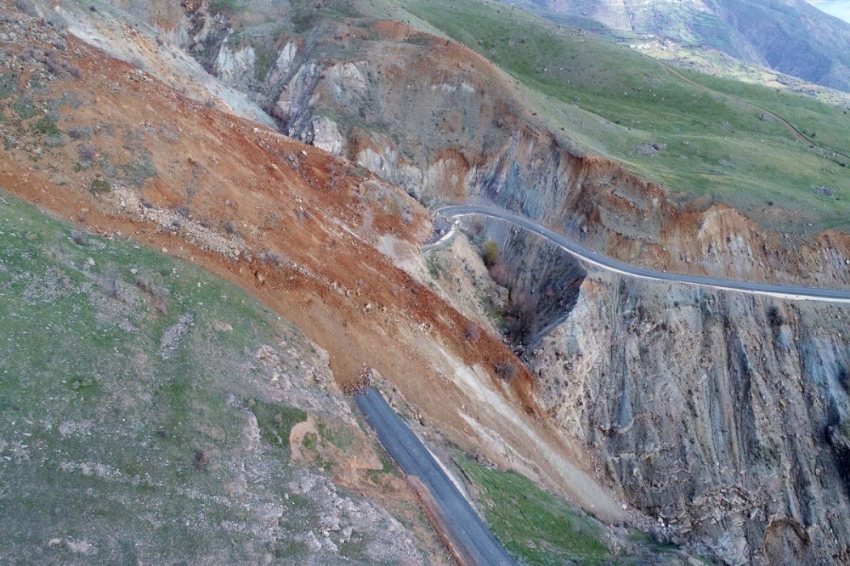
(789, 36)
(321, 242)
(317, 239)
(149, 416)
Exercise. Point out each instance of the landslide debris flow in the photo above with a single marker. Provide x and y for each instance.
(720, 419)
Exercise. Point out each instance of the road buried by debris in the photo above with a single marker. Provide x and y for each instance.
(457, 523)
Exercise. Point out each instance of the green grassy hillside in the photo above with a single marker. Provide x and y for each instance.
(146, 414)
(539, 529)
(613, 100)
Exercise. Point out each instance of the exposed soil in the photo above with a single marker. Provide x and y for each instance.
(305, 224)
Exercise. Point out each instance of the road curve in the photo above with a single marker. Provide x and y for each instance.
(779, 291)
(466, 531)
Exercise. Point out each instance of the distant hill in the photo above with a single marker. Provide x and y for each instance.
(790, 36)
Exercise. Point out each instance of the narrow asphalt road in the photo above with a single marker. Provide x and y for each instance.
(466, 530)
(780, 291)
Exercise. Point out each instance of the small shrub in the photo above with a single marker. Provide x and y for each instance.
(159, 295)
(99, 186)
(499, 274)
(78, 133)
(144, 285)
(25, 7)
(139, 170)
(490, 253)
(54, 66)
(230, 227)
(54, 141)
(86, 153)
(24, 107)
(201, 460)
(111, 287)
(520, 321)
(271, 257)
(78, 238)
(46, 126)
(774, 317)
(301, 214)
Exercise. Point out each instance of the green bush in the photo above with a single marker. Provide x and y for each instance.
(99, 186)
(490, 253)
(46, 126)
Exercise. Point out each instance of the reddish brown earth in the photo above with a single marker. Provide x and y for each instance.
(313, 217)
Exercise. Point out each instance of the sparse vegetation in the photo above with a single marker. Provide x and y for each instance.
(271, 257)
(26, 7)
(98, 422)
(139, 170)
(490, 253)
(221, 5)
(45, 126)
(520, 320)
(80, 132)
(536, 527)
(99, 186)
(78, 237)
(500, 274)
(275, 422)
(436, 268)
(86, 153)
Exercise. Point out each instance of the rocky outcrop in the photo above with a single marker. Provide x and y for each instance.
(442, 122)
(543, 281)
(235, 67)
(323, 133)
(721, 415)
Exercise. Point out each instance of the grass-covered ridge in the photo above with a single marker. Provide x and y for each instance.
(147, 407)
(613, 100)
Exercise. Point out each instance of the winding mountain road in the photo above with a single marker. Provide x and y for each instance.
(791, 292)
(468, 537)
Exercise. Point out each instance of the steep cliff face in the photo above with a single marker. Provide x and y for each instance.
(445, 124)
(723, 415)
(543, 281)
